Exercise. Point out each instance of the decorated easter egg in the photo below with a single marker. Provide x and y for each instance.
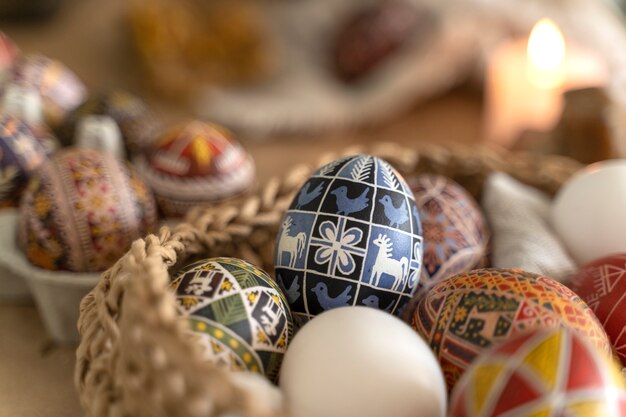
(237, 313)
(20, 154)
(351, 237)
(25, 103)
(81, 211)
(357, 361)
(588, 211)
(60, 88)
(137, 124)
(454, 229)
(196, 164)
(543, 372)
(372, 35)
(602, 285)
(464, 315)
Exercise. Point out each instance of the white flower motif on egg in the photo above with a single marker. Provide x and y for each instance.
(352, 236)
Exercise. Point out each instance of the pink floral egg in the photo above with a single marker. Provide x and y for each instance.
(602, 285)
(454, 229)
(196, 164)
(81, 211)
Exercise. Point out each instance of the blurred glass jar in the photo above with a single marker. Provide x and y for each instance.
(186, 44)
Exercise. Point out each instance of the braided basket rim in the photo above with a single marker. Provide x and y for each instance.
(131, 363)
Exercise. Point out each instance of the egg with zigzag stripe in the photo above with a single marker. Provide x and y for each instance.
(351, 237)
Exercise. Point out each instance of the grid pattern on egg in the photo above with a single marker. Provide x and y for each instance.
(238, 313)
(340, 240)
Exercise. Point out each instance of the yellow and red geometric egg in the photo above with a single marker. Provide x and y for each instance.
(541, 373)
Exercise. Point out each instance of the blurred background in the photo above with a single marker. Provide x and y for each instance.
(163, 52)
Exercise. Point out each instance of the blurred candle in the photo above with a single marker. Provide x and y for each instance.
(526, 79)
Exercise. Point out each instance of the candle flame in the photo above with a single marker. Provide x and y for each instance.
(546, 54)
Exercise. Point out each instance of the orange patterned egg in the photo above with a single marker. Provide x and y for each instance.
(196, 164)
(541, 373)
(463, 316)
(81, 211)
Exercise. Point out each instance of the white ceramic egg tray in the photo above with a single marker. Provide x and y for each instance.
(57, 294)
(12, 287)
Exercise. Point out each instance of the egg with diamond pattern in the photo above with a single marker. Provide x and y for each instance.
(351, 237)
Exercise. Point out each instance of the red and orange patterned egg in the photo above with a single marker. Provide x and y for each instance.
(464, 315)
(20, 154)
(602, 285)
(81, 211)
(61, 90)
(541, 373)
(196, 164)
(454, 229)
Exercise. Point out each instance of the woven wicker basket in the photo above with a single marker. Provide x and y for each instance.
(135, 359)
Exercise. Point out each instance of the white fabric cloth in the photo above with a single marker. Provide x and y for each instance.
(521, 234)
(304, 96)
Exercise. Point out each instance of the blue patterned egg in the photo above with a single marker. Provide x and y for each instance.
(237, 312)
(20, 155)
(351, 237)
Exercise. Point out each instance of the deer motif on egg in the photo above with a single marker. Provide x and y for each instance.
(351, 237)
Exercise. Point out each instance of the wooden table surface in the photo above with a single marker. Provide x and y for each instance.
(89, 36)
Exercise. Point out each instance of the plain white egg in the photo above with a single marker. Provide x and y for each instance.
(589, 211)
(361, 362)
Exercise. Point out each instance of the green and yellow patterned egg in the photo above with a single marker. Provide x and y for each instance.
(237, 312)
